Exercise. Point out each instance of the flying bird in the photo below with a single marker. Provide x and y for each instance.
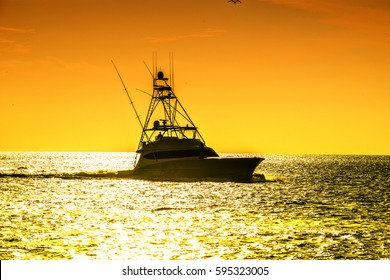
(234, 1)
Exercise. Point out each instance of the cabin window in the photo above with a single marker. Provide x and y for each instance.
(206, 152)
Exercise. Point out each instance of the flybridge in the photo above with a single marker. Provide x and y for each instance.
(170, 117)
(165, 111)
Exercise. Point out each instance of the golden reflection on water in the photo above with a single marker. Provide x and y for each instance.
(110, 220)
(296, 218)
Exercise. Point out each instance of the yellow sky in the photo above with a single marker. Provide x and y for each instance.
(264, 76)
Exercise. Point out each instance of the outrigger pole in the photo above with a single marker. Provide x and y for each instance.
(128, 95)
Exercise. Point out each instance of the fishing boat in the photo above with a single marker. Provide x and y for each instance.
(172, 148)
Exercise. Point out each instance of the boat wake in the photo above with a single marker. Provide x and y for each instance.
(123, 174)
(72, 175)
(270, 178)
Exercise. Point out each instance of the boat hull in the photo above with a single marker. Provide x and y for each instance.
(214, 168)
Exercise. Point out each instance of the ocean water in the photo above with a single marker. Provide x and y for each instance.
(310, 207)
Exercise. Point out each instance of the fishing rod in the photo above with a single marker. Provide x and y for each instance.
(147, 93)
(150, 72)
(128, 95)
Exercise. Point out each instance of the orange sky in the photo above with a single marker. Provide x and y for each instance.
(264, 76)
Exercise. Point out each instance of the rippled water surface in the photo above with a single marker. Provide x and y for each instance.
(311, 207)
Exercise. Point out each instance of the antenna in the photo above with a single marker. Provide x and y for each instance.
(128, 95)
(155, 63)
(171, 70)
(173, 78)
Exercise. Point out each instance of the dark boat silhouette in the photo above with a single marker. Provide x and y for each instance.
(171, 147)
